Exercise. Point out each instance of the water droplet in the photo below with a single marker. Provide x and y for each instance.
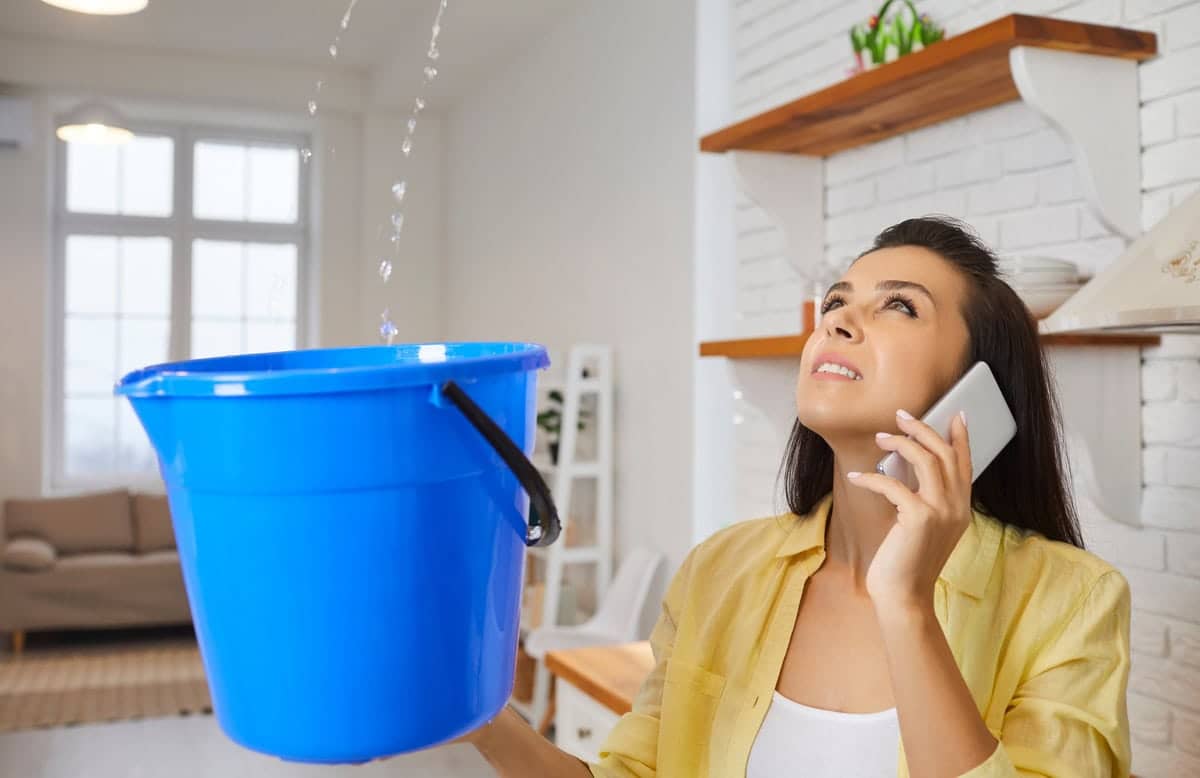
(406, 146)
(346, 20)
(430, 72)
(395, 238)
(738, 418)
(305, 155)
(333, 50)
(433, 52)
(437, 30)
(412, 126)
(320, 84)
(418, 105)
(443, 5)
(385, 270)
(398, 190)
(387, 328)
(312, 107)
(397, 222)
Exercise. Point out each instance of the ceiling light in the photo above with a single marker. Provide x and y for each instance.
(93, 123)
(100, 7)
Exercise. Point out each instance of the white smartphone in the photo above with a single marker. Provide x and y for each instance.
(990, 423)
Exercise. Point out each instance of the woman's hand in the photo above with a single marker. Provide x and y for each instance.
(930, 521)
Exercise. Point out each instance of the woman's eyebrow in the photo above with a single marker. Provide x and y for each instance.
(890, 285)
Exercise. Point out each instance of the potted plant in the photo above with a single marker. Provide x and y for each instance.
(550, 420)
(880, 32)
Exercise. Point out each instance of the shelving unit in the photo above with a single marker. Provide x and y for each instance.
(598, 362)
(955, 77)
(1081, 77)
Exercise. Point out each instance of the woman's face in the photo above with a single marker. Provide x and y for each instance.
(893, 320)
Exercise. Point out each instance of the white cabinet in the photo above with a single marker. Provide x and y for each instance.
(581, 724)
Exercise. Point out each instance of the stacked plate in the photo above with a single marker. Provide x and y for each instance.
(1042, 282)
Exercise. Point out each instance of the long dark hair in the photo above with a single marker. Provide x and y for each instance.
(1026, 484)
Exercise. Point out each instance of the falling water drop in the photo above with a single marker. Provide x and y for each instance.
(385, 270)
(418, 105)
(406, 146)
(305, 154)
(433, 52)
(387, 331)
(437, 30)
(320, 84)
(312, 107)
(398, 190)
(397, 222)
(333, 50)
(430, 72)
(412, 126)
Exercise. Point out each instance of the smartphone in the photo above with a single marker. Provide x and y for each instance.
(990, 423)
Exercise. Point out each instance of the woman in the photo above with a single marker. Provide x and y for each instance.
(956, 630)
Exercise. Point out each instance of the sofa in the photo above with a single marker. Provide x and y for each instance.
(90, 561)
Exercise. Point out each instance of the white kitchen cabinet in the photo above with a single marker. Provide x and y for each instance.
(581, 724)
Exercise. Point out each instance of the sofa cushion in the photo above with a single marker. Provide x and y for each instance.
(152, 528)
(29, 555)
(74, 525)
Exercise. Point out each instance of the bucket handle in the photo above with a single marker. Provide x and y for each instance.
(544, 524)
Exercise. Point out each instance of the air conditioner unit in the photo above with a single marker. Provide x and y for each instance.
(16, 122)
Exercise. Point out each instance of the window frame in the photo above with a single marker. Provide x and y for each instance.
(181, 228)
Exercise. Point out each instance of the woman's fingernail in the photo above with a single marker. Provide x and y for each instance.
(853, 474)
(904, 414)
(882, 435)
(963, 415)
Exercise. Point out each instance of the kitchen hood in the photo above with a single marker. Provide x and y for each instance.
(1153, 287)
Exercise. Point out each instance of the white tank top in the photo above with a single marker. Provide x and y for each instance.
(796, 740)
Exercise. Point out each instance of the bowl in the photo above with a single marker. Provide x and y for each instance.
(1042, 300)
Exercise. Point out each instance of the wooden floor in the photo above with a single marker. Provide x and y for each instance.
(194, 747)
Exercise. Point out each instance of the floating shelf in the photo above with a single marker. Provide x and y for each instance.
(954, 77)
(1081, 77)
(790, 346)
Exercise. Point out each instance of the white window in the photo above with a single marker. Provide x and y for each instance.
(184, 242)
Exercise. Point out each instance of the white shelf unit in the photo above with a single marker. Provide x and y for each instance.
(598, 362)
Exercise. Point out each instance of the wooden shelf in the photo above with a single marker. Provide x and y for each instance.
(953, 77)
(790, 346)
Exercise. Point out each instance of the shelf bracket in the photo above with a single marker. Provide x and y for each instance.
(791, 189)
(1093, 101)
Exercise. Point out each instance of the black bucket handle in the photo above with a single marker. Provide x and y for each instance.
(544, 525)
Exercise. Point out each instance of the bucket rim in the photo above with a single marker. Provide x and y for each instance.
(325, 370)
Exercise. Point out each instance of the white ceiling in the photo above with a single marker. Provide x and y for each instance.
(387, 39)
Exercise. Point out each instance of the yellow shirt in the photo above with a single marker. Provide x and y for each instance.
(1038, 628)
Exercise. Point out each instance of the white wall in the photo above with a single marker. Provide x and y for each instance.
(1009, 174)
(568, 219)
(354, 163)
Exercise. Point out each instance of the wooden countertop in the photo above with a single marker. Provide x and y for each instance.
(611, 675)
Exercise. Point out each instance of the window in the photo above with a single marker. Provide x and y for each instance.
(184, 242)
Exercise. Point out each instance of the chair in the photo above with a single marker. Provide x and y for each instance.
(617, 620)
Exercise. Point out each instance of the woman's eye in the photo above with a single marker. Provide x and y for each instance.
(902, 305)
(830, 303)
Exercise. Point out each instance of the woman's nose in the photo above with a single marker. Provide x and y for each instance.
(839, 324)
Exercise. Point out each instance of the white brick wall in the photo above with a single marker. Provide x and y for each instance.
(1009, 174)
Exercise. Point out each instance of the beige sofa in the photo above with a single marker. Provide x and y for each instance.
(97, 560)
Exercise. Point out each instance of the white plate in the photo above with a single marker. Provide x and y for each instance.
(1040, 277)
(1012, 264)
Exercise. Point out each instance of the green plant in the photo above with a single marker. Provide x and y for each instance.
(550, 420)
(879, 32)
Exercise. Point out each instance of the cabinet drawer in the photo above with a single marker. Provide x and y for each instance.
(581, 724)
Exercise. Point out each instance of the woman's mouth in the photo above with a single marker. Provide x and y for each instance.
(835, 371)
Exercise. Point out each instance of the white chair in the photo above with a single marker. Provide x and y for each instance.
(617, 620)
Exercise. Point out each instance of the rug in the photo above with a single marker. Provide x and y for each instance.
(60, 685)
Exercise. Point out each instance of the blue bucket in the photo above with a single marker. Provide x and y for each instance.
(351, 525)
